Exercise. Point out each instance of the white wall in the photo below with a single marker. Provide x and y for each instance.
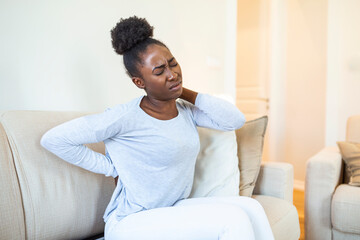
(306, 55)
(314, 77)
(57, 55)
(282, 57)
(343, 72)
(252, 57)
(277, 81)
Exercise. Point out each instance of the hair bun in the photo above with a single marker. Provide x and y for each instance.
(129, 32)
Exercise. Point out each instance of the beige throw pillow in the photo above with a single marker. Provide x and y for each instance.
(250, 140)
(350, 153)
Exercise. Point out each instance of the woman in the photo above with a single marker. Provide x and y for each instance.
(151, 145)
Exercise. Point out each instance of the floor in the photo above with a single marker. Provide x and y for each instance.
(299, 204)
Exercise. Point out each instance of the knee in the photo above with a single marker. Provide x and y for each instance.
(237, 225)
(255, 203)
(234, 217)
(251, 203)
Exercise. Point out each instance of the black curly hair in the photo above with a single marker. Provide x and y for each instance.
(130, 37)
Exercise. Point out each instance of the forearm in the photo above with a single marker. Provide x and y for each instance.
(216, 113)
(67, 142)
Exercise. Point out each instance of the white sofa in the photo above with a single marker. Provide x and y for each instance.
(332, 207)
(44, 197)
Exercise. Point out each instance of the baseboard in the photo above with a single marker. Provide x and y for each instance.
(299, 185)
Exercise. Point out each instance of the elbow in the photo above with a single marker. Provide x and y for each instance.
(239, 121)
(235, 122)
(46, 141)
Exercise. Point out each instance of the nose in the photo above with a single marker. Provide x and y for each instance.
(171, 75)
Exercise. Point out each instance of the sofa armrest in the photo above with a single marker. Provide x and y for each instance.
(276, 179)
(323, 174)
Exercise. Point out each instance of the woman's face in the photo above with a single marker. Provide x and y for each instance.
(161, 74)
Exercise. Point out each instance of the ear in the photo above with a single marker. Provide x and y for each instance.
(138, 82)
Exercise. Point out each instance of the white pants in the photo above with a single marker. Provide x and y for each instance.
(224, 218)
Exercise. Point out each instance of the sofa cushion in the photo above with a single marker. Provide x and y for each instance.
(350, 152)
(216, 170)
(250, 140)
(12, 215)
(282, 215)
(337, 235)
(60, 200)
(345, 209)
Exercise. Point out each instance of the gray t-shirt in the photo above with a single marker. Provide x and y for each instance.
(154, 159)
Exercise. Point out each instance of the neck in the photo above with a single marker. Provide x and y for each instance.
(159, 109)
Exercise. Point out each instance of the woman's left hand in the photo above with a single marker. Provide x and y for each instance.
(188, 95)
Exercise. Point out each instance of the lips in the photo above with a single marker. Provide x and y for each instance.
(175, 85)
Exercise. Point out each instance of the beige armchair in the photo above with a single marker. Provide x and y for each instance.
(332, 207)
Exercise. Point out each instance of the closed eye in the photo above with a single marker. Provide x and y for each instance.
(172, 62)
(159, 73)
(160, 69)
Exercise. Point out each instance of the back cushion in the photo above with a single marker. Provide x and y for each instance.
(228, 163)
(12, 215)
(61, 201)
(216, 169)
